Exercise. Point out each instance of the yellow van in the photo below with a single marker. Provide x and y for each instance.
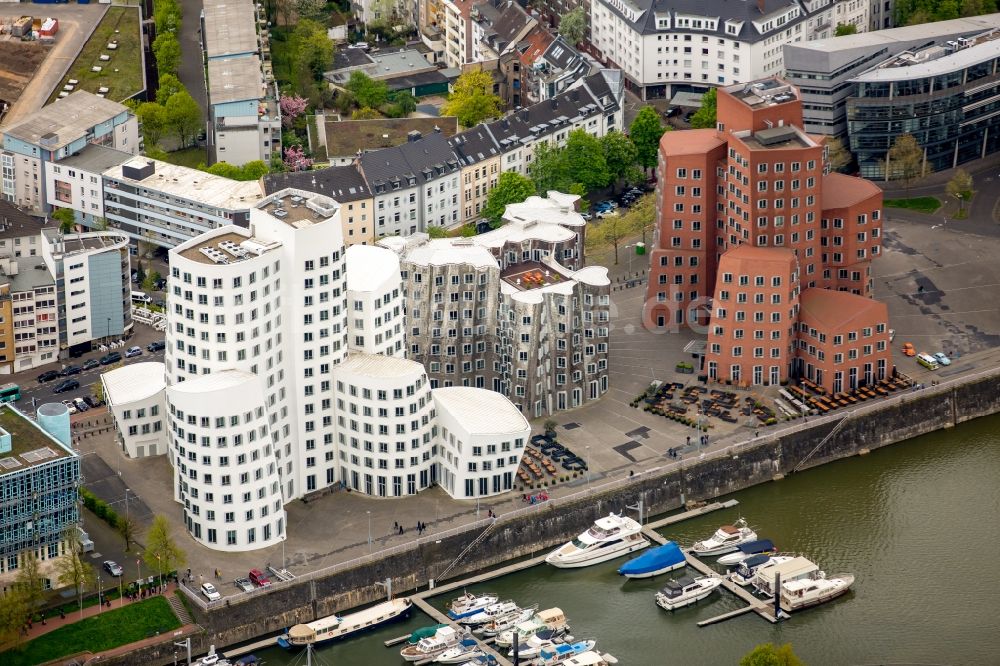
(927, 361)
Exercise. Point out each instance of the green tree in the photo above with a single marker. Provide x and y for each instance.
(312, 9)
(71, 569)
(620, 155)
(169, 84)
(845, 29)
(960, 187)
(405, 100)
(769, 655)
(643, 212)
(573, 25)
(585, 159)
(149, 284)
(314, 52)
(14, 614)
(645, 133)
(837, 154)
(184, 117)
(365, 113)
(904, 161)
(472, 100)
(704, 118)
(549, 169)
(66, 218)
(434, 231)
(154, 121)
(127, 529)
(367, 91)
(253, 170)
(161, 553)
(511, 187)
(30, 581)
(612, 230)
(97, 390)
(167, 51)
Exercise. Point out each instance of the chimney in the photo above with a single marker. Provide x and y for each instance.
(437, 130)
(413, 135)
(760, 6)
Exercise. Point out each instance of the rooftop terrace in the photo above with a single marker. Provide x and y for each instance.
(531, 275)
(226, 248)
(31, 445)
(298, 208)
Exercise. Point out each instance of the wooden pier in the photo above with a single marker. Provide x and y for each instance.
(693, 513)
(250, 647)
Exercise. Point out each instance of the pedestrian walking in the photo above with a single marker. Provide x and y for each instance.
(62, 614)
(43, 620)
(756, 434)
(689, 440)
(400, 529)
(395, 525)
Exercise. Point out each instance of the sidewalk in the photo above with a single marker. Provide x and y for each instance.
(53, 623)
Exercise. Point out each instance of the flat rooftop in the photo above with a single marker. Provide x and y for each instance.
(95, 158)
(763, 93)
(88, 242)
(235, 79)
(65, 120)
(345, 138)
(230, 28)
(777, 138)
(32, 273)
(298, 208)
(228, 247)
(191, 184)
(30, 444)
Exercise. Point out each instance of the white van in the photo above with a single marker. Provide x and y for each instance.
(141, 297)
(927, 361)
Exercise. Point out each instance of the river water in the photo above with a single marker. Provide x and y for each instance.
(917, 523)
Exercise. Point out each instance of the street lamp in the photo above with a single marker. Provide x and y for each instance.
(109, 329)
(369, 532)
(126, 503)
(587, 454)
(961, 201)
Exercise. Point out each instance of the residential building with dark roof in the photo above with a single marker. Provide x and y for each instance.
(669, 46)
(750, 222)
(479, 155)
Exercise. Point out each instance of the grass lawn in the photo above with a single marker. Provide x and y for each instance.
(189, 157)
(101, 632)
(919, 204)
(122, 74)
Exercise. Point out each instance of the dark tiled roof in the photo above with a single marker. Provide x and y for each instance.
(350, 57)
(342, 183)
(15, 223)
(425, 159)
(726, 10)
(474, 145)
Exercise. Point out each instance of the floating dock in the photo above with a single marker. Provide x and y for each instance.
(420, 602)
(250, 647)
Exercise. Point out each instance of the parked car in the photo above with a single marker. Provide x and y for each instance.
(156, 346)
(601, 214)
(48, 376)
(942, 359)
(586, 216)
(160, 285)
(908, 349)
(70, 406)
(258, 578)
(91, 363)
(244, 585)
(66, 385)
(71, 370)
(210, 592)
(113, 568)
(133, 351)
(92, 401)
(112, 357)
(80, 404)
(671, 112)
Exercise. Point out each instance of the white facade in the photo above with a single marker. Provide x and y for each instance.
(135, 396)
(224, 461)
(374, 294)
(482, 437)
(662, 50)
(74, 188)
(385, 426)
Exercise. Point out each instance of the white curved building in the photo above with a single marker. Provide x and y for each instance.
(375, 298)
(385, 425)
(482, 437)
(225, 463)
(134, 393)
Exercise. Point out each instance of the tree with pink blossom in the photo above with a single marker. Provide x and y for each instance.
(296, 160)
(291, 108)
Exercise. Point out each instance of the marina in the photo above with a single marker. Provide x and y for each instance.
(855, 515)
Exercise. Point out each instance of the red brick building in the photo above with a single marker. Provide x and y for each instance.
(756, 181)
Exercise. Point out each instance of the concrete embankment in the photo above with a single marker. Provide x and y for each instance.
(866, 428)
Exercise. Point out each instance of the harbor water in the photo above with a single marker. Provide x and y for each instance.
(917, 523)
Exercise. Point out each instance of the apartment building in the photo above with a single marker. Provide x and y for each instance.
(512, 309)
(374, 292)
(749, 223)
(39, 481)
(457, 32)
(668, 47)
(166, 205)
(34, 313)
(134, 393)
(343, 184)
(478, 154)
(77, 182)
(20, 232)
(55, 132)
(414, 186)
(557, 68)
(826, 70)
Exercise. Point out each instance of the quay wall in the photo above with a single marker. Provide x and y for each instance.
(529, 532)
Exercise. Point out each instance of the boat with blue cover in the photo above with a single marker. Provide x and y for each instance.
(560, 653)
(654, 562)
(746, 550)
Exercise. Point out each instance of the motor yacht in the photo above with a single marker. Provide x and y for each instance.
(466, 649)
(725, 540)
(608, 538)
(469, 604)
(591, 658)
(505, 622)
(744, 572)
(806, 592)
(654, 562)
(213, 658)
(794, 569)
(532, 646)
(550, 619)
(685, 591)
(760, 546)
(429, 648)
(491, 612)
(560, 653)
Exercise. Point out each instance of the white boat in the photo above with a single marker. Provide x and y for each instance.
(213, 658)
(469, 604)
(607, 539)
(503, 623)
(759, 547)
(685, 591)
(467, 649)
(559, 654)
(334, 627)
(432, 646)
(806, 592)
(491, 612)
(591, 659)
(794, 569)
(550, 619)
(725, 540)
(745, 571)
